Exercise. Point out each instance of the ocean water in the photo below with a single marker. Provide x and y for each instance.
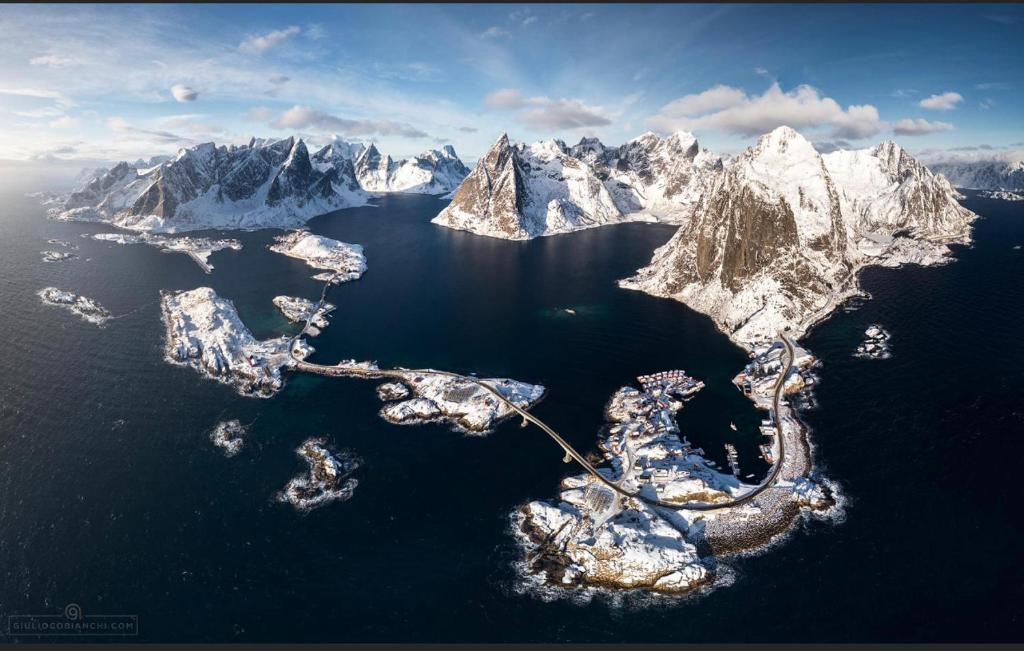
(112, 496)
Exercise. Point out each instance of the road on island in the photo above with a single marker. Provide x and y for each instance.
(402, 373)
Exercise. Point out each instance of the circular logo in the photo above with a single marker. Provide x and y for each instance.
(73, 612)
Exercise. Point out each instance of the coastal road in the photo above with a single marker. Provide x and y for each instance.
(401, 373)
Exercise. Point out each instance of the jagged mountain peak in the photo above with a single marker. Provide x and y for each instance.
(776, 240)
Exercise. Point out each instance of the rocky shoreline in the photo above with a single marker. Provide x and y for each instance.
(593, 538)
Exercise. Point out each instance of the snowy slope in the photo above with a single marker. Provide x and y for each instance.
(266, 183)
(777, 239)
(438, 171)
(983, 175)
(520, 191)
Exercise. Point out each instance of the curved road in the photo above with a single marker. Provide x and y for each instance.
(400, 373)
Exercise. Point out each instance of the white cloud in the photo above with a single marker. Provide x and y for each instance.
(546, 113)
(153, 136)
(493, 32)
(993, 85)
(52, 61)
(944, 102)
(65, 122)
(919, 127)
(56, 97)
(857, 122)
(315, 32)
(504, 98)
(730, 110)
(260, 43)
(183, 93)
(304, 117)
(562, 114)
(523, 17)
(713, 99)
(259, 114)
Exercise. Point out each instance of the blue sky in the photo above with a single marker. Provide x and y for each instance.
(107, 82)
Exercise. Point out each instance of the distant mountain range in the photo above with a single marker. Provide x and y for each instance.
(983, 175)
(266, 183)
(769, 239)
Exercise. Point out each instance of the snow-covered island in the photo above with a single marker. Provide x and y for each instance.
(86, 308)
(341, 262)
(875, 344)
(465, 403)
(198, 248)
(302, 310)
(593, 536)
(203, 331)
(1004, 195)
(329, 477)
(229, 435)
(56, 256)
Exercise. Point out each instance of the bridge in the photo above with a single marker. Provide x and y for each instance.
(570, 452)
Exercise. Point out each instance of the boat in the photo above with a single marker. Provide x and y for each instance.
(732, 426)
(570, 311)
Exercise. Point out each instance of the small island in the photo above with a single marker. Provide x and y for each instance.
(203, 331)
(302, 310)
(339, 261)
(229, 435)
(329, 477)
(86, 308)
(198, 248)
(56, 256)
(660, 517)
(875, 344)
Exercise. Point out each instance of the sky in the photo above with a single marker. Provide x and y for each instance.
(118, 82)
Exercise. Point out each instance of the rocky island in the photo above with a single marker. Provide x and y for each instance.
(875, 344)
(86, 308)
(203, 331)
(56, 256)
(329, 477)
(302, 310)
(662, 516)
(198, 248)
(229, 436)
(470, 405)
(341, 262)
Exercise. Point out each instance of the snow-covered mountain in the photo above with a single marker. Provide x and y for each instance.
(777, 238)
(520, 191)
(983, 175)
(438, 171)
(266, 183)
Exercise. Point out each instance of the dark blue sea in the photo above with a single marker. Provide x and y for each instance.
(112, 496)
